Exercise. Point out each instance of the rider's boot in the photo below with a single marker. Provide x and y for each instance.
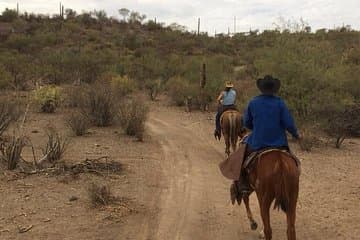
(217, 132)
(240, 187)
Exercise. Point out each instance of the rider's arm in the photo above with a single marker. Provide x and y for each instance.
(287, 120)
(220, 97)
(248, 119)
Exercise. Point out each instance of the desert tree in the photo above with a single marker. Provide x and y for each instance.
(124, 12)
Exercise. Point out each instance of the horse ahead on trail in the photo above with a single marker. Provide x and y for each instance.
(274, 175)
(232, 129)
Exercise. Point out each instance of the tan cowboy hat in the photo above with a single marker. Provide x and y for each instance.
(229, 84)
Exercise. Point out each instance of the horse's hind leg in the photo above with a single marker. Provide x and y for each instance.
(227, 144)
(253, 224)
(290, 216)
(265, 215)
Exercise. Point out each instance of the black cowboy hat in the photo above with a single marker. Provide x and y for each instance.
(268, 85)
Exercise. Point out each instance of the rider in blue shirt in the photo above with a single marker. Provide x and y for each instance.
(268, 118)
(226, 100)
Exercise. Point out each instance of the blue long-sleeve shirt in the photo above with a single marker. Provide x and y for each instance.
(268, 117)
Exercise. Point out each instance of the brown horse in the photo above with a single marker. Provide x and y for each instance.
(274, 176)
(232, 129)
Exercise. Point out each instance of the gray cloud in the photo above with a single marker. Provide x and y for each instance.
(214, 14)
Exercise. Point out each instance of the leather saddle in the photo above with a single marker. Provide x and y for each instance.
(250, 159)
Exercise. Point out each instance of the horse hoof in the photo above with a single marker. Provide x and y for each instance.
(254, 226)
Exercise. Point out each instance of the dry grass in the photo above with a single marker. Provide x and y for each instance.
(11, 151)
(132, 116)
(308, 140)
(78, 122)
(100, 195)
(9, 112)
(99, 105)
(75, 96)
(55, 146)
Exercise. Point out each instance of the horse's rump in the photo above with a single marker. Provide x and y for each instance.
(277, 172)
(231, 126)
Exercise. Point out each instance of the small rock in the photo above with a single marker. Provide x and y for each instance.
(73, 198)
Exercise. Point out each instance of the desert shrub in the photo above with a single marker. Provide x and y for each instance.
(132, 116)
(5, 77)
(78, 122)
(55, 147)
(344, 124)
(179, 88)
(100, 195)
(48, 98)
(154, 87)
(11, 151)
(9, 112)
(99, 105)
(75, 96)
(308, 140)
(19, 69)
(122, 85)
(8, 15)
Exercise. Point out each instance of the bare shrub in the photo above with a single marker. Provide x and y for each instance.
(9, 111)
(308, 140)
(78, 122)
(75, 96)
(11, 151)
(55, 147)
(132, 116)
(99, 105)
(100, 195)
(344, 124)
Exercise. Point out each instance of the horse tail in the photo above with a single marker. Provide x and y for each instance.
(281, 186)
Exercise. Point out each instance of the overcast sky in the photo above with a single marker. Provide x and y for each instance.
(215, 15)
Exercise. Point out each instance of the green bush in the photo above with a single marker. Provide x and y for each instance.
(180, 88)
(48, 98)
(122, 86)
(9, 15)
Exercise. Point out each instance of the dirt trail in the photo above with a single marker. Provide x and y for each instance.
(195, 204)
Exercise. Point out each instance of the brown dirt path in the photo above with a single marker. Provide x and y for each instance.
(195, 204)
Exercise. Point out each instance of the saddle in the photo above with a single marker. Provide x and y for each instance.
(257, 154)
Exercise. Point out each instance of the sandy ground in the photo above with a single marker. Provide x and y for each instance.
(172, 186)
